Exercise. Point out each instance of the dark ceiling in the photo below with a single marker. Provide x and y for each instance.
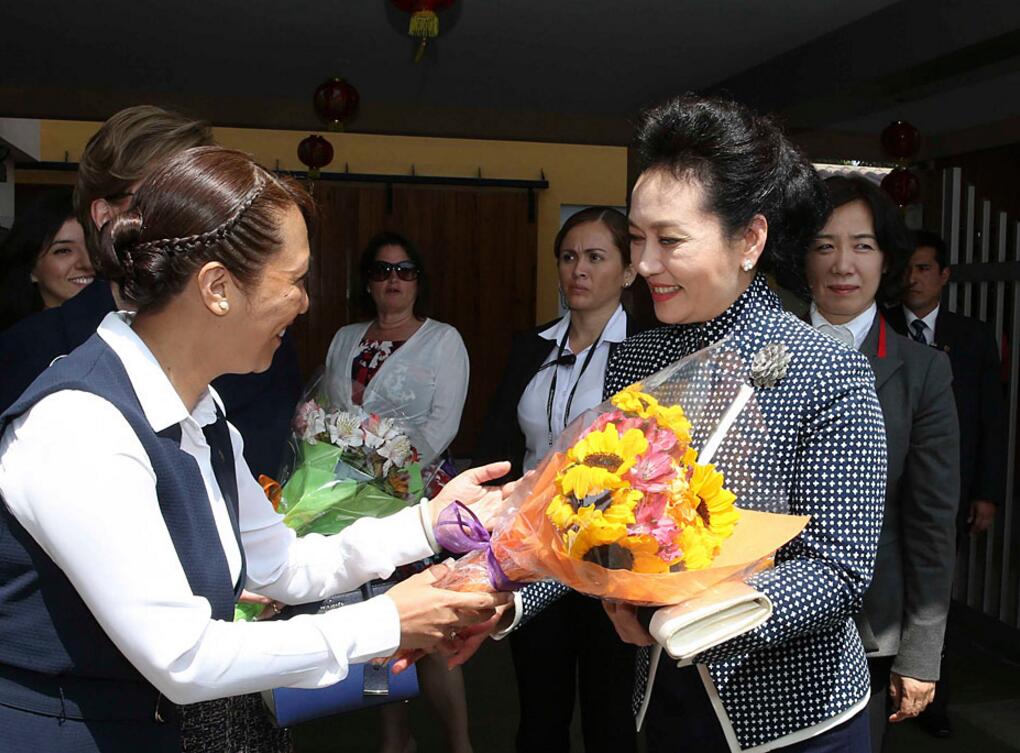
(557, 70)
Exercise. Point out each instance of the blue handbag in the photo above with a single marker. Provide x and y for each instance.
(366, 685)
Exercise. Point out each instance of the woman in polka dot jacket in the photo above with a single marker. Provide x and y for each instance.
(722, 196)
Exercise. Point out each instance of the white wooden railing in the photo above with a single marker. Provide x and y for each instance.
(984, 252)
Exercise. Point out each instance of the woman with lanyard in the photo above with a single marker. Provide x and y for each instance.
(555, 373)
(857, 261)
(119, 573)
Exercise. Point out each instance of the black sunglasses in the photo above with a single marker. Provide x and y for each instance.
(380, 270)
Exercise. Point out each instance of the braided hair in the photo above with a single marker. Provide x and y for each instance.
(205, 204)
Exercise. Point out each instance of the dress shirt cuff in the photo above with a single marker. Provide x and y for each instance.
(518, 612)
(425, 509)
(360, 632)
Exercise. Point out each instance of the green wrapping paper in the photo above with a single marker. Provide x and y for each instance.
(324, 495)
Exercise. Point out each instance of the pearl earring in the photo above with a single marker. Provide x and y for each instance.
(224, 306)
(746, 265)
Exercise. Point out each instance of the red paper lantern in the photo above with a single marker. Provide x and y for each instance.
(336, 101)
(315, 152)
(902, 185)
(424, 22)
(901, 140)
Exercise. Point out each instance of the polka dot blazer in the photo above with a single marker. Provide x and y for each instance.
(825, 452)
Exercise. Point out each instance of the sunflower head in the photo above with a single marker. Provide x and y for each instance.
(633, 400)
(599, 460)
(699, 547)
(645, 551)
(674, 419)
(715, 504)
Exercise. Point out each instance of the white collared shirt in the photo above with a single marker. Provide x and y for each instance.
(929, 320)
(859, 326)
(75, 475)
(532, 410)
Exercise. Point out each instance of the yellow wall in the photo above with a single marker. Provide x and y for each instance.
(577, 174)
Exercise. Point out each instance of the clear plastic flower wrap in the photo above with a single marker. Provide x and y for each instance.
(628, 505)
(344, 465)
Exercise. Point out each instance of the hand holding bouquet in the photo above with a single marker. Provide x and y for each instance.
(627, 509)
(346, 465)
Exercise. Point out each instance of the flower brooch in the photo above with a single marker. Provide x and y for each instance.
(769, 365)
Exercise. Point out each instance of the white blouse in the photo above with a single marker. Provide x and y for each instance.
(75, 475)
(859, 326)
(532, 410)
(423, 384)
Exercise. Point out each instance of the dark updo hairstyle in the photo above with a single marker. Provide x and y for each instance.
(745, 166)
(32, 233)
(368, 256)
(891, 233)
(613, 219)
(204, 204)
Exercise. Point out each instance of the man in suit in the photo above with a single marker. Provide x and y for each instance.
(979, 399)
(977, 387)
(117, 159)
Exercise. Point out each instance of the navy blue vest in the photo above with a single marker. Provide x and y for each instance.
(50, 638)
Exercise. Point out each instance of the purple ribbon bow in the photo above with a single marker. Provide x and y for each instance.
(460, 531)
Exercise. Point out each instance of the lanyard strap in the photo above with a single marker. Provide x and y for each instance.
(552, 383)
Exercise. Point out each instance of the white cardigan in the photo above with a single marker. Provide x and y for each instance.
(423, 384)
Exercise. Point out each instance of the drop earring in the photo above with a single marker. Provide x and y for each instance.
(747, 265)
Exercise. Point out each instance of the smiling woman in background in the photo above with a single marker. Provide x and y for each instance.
(43, 262)
(855, 263)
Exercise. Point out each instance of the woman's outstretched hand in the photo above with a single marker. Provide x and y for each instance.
(461, 646)
(469, 488)
(430, 615)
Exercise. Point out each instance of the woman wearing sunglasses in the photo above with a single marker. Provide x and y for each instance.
(403, 365)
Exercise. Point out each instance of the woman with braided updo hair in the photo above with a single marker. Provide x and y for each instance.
(130, 521)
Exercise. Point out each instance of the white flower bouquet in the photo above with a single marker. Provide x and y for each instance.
(346, 464)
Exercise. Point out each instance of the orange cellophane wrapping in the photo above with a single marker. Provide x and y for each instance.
(528, 548)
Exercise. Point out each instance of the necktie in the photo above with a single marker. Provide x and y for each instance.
(838, 332)
(917, 328)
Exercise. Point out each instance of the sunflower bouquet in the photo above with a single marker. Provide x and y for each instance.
(630, 505)
(632, 495)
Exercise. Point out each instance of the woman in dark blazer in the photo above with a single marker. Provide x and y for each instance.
(858, 257)
(722, 195)
(555, 373)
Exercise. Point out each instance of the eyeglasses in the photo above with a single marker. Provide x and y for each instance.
(380, 270)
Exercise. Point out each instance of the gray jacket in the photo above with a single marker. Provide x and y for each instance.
(906, 606)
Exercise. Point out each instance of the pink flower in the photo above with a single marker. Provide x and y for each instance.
(309, 421)
(652, 472)
(651, 510)
(652, 520)
(600, 423)
(632, 423)
(661, 440)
